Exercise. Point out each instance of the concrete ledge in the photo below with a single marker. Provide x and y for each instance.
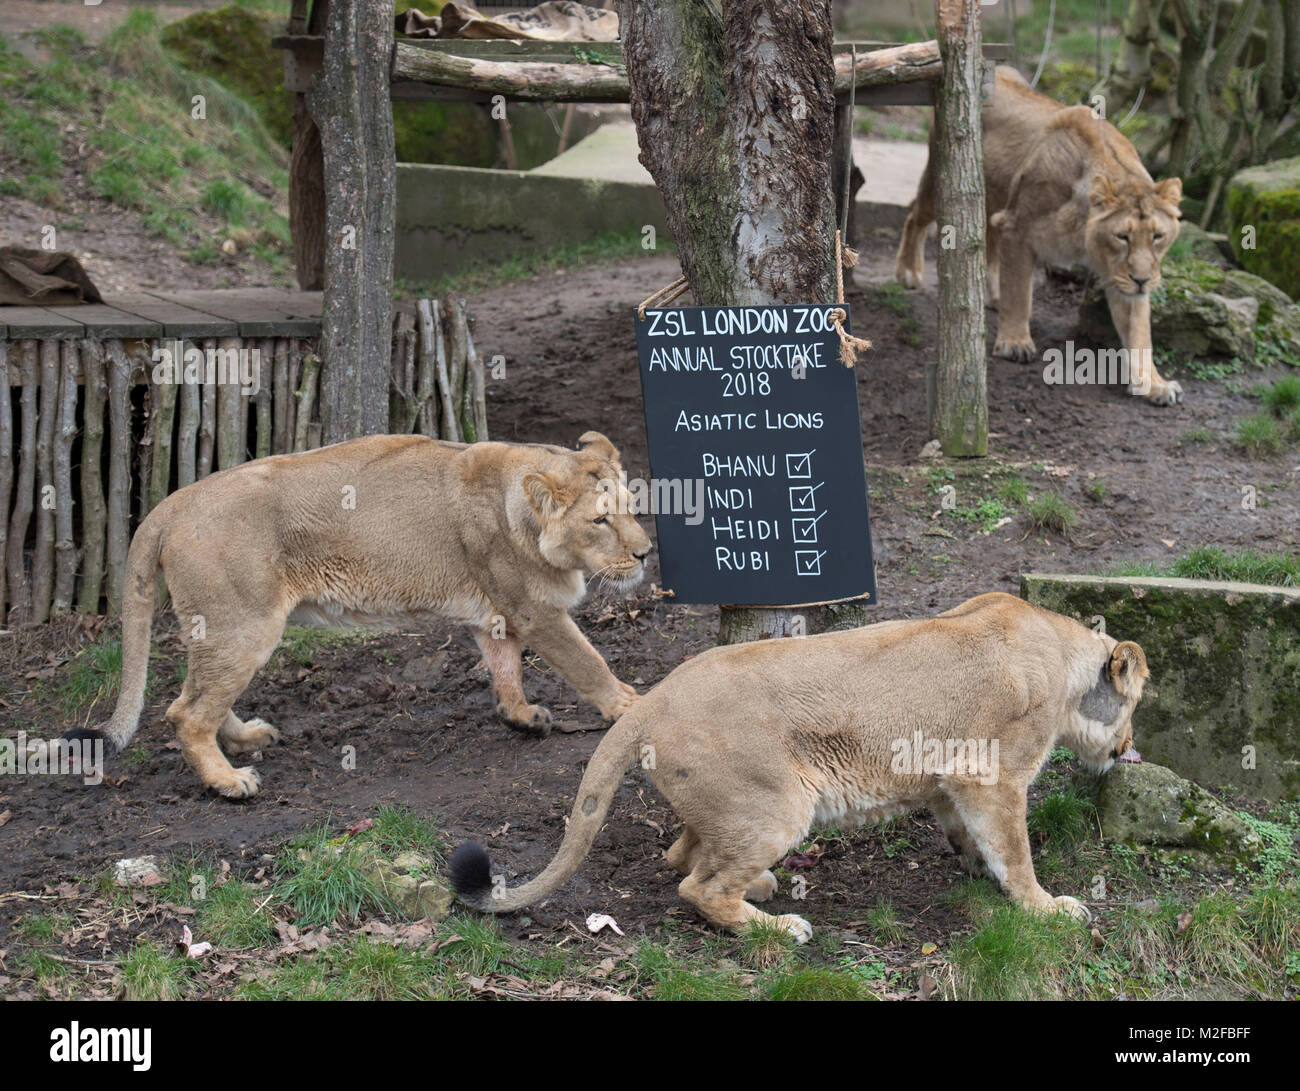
(452, 217)
(1225, 671)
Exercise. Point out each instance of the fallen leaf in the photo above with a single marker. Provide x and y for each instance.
(5, 816)
(929, 948)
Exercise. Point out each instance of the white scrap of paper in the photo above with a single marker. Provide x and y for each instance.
(597, 921)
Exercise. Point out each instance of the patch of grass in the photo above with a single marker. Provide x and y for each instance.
(884, 926)
(1096, 489)
(357, 969)
(150, 973)
(129, 106)
(94, 675)
(1194, 436)
(397, 829)
(1260, 436)
(1015, 955)
(669, 978)
(1062, 819)
(893, 297)
(765, 944)
(44, 927)
(985, 514)
(817, 983)
(1283, 396)
(323, 878)
(1050, 511)
(1215, 563)
(1012, 490)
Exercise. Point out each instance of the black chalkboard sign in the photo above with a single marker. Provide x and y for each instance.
(758, 485)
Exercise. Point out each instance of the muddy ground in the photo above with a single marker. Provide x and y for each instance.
(416, 704)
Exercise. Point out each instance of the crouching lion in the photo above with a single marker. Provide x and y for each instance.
(1063, 186)
(377, 531)
(753, 744)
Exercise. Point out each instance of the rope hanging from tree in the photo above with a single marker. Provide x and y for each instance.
(845, 258)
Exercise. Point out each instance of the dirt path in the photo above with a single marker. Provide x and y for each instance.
(418, 711)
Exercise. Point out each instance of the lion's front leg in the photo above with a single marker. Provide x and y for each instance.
(504, 657)
(995, 818)
(554, 636)
(1132, 317)
(1015, 288)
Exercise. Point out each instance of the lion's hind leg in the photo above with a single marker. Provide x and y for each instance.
(246, 736)
(684, 853)
(720, 883)
(221, 664)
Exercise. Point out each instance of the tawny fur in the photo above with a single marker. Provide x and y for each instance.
(1061, 186)
(753, 744)
(377, 531)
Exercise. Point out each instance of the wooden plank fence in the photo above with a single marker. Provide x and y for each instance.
(107, 408)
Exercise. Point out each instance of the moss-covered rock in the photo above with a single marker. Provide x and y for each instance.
(233, 46)
(1196, 312)
(1223, 703)
(407, 880)
(1149, 806)
(1194, 243)
(1266, 200)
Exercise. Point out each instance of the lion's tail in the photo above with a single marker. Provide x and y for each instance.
(470, 869)
(138, 597)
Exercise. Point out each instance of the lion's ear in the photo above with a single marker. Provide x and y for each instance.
(1102, 194)
(598, 444)
(544, 494)
(1170, 190)
(1127, 667)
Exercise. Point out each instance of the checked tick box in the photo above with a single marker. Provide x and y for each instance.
(803, 500)
(804, 529)
(799, 465)
(808, 562)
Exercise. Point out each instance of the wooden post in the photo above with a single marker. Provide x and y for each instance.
(20, 588)
(46, 496)
(961, 398)
(119, 474)
(6, 468)
(93, 511)
(350, 102)
(65, 548)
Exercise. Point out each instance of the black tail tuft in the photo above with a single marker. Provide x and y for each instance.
(470, 871)
(74, 734)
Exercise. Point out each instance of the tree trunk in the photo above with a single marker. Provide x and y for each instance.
(307, 199)
(350, 102)
(736, 121)
(961, 420)
(93, 511)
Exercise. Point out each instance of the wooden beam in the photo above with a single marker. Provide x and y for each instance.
(527, 81)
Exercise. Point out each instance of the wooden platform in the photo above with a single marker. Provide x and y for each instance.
(222, 312)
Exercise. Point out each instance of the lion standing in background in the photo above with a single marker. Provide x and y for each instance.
(377, 531)
(1062, 186)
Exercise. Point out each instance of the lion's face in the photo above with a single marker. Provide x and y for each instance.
(1129, 228)
(1101, 728)
(580, 528)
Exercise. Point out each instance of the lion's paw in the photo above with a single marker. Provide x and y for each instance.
(627, 697)
(241, 784)
(1170, 393)
(908, 277)
(1065, 904)
(1019, 349)
(255, 735)
(799, 928)
(762, 888)
(532, 718)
